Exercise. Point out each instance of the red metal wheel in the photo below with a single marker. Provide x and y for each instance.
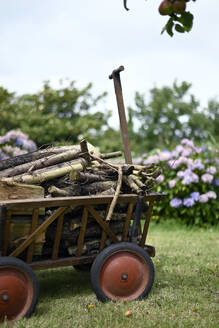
(122, 271)
(18, 289)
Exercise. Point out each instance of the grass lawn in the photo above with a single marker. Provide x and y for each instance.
(185, 292)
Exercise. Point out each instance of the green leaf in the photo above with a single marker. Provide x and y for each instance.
(187, 20)
(179, 28)
(168, 27)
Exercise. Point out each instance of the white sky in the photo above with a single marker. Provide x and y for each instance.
(85, 40)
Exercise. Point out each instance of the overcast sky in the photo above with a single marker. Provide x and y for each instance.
(85, 40)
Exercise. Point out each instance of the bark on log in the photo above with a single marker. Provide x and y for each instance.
(111, 155)
(131, 183)
(97, 187)
(50, 173)
(87, 177)
(93, 231)
(41, 163)
(33, 156)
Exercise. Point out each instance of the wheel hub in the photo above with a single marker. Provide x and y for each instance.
(5, 297)
(124, 276)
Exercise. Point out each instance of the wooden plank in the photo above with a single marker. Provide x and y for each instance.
(82, 232)
(104, 226)
(68, 201)
(77, 200)
(68, 261)
(34, 225)
(146, 225)
(15, 191)
(127, 221)
(38, 231)
(58, 236)
(6, 233)
(104, 234)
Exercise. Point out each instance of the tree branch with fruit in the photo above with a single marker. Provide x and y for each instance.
(180, 20)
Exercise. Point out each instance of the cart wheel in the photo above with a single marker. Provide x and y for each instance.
(83, 267)
(122, 271)
(18, 289)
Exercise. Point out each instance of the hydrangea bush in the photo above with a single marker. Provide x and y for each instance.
(190, 178)
(15, 143)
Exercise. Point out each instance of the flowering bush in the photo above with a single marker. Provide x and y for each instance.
(190, 178)
(15, 143)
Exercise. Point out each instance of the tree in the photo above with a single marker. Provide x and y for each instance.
(51, 116)
(180, 19)
(170, 115)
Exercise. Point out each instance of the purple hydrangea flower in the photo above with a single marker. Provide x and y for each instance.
(216, 182)
(173, 164)
(199, 166)
(176, 202)
(179, 149)
(203, 198)
(187, 142)
(138, 160)
(180, 174)
(164, 156)
(207, 178)
(195, 195)
(188, 202)
(152, 159)
(172, 183)
(190, 177)
(211, 170)
(211, 194)
(160, 178)
(186, 152)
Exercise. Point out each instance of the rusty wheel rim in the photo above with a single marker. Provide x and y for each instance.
(124, 275)
(16, 293)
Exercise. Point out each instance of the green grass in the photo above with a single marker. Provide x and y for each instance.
(185, 292)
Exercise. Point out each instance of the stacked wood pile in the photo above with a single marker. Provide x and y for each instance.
(74, 171)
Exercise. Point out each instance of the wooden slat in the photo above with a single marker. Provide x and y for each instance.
(79, 200)
(38, 231)
(104, 226)
(6, 233)
(127, 221)
(104, 234)
(82, 232)
(68, 261)
(146, 225)
(34, 225)
(58, 236)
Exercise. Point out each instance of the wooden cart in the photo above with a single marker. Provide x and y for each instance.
(122, 269)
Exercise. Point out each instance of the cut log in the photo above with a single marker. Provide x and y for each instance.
(97, 187)
(50, 173)
(33, 156)
(111, 155)
(41, 163)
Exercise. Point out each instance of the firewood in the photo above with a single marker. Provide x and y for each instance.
(50, 173)
(111, 155)
(97, 187)
(32, 156)
(41, 163)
